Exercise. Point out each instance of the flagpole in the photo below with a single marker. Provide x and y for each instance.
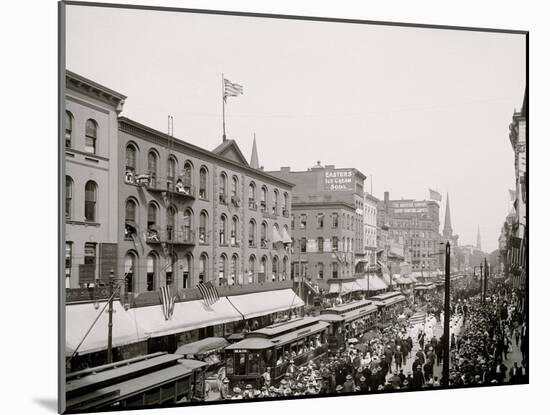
(223, 109)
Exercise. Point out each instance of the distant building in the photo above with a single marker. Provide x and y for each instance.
(91, 174)
(327, 222)
(370, 214)
(415, 225)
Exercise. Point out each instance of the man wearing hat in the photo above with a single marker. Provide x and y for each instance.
(237, 393)
(248, 392)
(339, 389)
(349, 384)
(224, 389)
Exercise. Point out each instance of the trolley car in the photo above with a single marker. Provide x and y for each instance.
(388, 304)
(274, 347)
(348, 320)
(150, 380)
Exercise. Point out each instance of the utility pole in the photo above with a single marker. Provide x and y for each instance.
(481, 281)
(485, 282)
(447, 316)
(110, 326)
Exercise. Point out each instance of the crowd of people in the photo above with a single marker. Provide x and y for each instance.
(481, 338)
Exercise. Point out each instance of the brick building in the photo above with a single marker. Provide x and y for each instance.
(415, 225)
(91, 171)
(327, 222)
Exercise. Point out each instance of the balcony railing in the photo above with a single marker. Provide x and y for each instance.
(252, 205)
(170, 237)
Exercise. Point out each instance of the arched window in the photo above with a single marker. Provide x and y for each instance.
(263, 199)
(151, 271)
(68, 129)
(285, 267)
(152, 161)
(275, 269)
(234, 272)
(187, 225)
(130, 271)
(90, 200)
(222, 270)
(234, 186)
(68, 196)
(223, 188)
(203, 183)
(171, 173)
(91, 136)
(251, 268)
(172, 261)
(223, 229)
(320, 270)
(130, 222)
(203, 267)
(285, 204)
(275, 206)
(263, 235)
(187, 177)
(170, 223)
(152, 220)
(252, 196)
(252, 234)
(187, 269)
(263, 267)
(203, 227)
(235, 231)
(130, 163)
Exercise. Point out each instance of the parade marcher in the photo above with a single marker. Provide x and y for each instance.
(349, 385)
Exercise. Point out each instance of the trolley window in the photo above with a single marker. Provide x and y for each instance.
(253, 363)
(240, 364)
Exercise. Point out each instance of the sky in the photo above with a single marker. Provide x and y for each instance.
(410, 108)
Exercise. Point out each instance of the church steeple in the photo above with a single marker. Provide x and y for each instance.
(447, 228)
(254, 162)
(478, 244)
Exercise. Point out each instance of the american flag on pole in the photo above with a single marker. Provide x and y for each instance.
(208, 292)
(168, 301)
(231, 89)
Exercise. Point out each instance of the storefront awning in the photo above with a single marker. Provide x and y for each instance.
(276, 236)
(371, 282)
(80, 317)
(264, 303)
(187, 316)
(286, 237)
(343, 287)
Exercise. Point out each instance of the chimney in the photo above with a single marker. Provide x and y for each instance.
(386, 198)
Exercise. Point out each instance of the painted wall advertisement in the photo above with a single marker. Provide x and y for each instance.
(341, 180)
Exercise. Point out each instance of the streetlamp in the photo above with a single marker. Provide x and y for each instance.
(447, 315)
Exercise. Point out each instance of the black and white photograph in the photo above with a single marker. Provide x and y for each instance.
(263, 207)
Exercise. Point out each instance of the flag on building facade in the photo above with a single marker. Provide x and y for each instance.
(435, 195)
(168, 300)
(208, 292)
(231, 89)
(512, 194)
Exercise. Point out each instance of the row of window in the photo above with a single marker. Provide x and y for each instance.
(186, 180)
(90, 199)
(90, 144)
(228, 270)
(323, 247)
(335, 269)
(132, 226)
(348, 221)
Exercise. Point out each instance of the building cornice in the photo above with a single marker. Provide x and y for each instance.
(94, 90)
